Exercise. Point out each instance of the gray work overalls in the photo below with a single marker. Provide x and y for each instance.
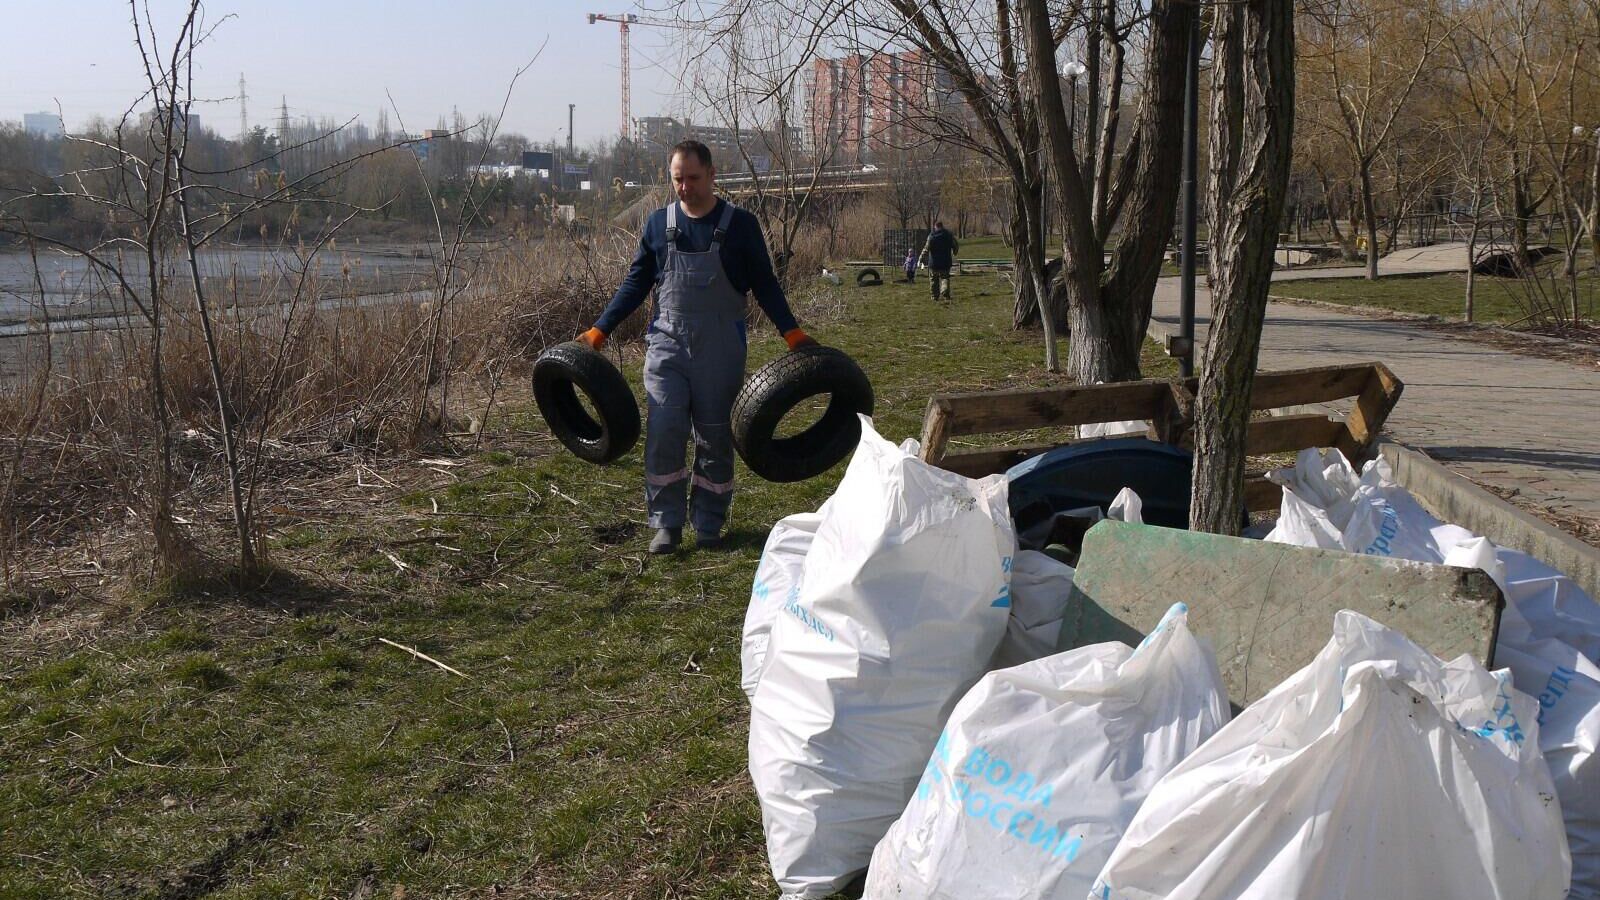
(693, 368)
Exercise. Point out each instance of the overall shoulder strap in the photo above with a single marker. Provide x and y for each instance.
(722, 225)
(672, 223)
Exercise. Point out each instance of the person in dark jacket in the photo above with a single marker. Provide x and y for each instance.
(701, 254)
(940, 253)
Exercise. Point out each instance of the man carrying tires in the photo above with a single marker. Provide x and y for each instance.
(701, 254)
(940, 252)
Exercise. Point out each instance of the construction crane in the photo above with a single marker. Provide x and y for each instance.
(624, 20)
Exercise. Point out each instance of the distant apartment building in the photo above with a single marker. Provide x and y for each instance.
(43, 124)
(657, 134)
(866, 104)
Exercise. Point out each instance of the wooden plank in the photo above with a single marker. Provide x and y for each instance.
(1177, 415)
(1277, 434)
(1365, 422)
(1018, 410)
(1267, 609)
(1295, 387)
(988, 461)
(935, 430)
(1261, 495)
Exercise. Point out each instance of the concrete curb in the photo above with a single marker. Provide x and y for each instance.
(1453, 498)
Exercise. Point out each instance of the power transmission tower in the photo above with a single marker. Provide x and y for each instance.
(283, 121)
(244, 117)
(570, 108)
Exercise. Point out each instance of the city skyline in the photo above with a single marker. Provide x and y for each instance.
(359, 55)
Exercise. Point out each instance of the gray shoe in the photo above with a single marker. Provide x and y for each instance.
(666, 540)
(707, 540)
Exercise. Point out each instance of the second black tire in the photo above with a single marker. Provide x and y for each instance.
(564, 370)
(780, 386)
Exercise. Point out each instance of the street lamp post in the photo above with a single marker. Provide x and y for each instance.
(1191, 119)
(1072, 70)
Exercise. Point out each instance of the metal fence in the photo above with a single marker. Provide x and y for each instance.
(897, 241)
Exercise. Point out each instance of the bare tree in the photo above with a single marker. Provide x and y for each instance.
(913, 178)
(169, 206)
(1493, 77)
(975, 47)
(1252, 124)
(1365, 57)
(1109, 305)
(35, 395)
(747, 64)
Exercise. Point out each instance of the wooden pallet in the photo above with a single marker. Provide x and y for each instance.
(1169, 407)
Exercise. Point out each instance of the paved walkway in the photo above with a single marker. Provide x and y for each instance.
(1504, 419)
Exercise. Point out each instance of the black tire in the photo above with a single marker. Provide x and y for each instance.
(564, 370)
(868, 278)
(778, 387)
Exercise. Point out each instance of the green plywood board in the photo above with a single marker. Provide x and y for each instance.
(1267, 608)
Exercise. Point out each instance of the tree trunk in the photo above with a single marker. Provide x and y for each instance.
(1108, 310)
(244, 530)
(1252, 89)
(1593, 217)
(1521, 211)
(1027, 257)
(1369, 212)
(1034, 206)
(1347, 247)
(1472, 254)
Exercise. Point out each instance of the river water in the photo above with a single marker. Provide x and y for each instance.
(74, 290)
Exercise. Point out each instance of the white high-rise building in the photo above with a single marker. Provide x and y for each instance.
(44, 124)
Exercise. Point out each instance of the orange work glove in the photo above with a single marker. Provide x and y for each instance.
(594, 337)
(797, 339)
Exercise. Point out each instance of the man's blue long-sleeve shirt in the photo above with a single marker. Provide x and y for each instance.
(744, 259)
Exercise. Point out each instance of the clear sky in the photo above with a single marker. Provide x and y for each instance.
(336, 58)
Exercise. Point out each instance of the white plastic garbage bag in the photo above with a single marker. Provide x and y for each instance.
(1039, 588)
(776, 584)
(904, 597)
(1375, 771)
(1042, 766)
(1325, 504)
(1127, 506)
(1113, 429)
(1040, 585)
(1567, 688)
(1549, 632)
(1548, 604)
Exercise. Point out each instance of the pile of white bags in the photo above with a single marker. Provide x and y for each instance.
(904, 595)
(1376, 771)
(1042, 766)
(1549, 633)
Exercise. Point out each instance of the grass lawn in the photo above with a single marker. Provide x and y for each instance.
(272, 746)
(1499, 300)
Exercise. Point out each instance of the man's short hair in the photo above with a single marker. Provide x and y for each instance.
(692, 148)
(938, 224)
